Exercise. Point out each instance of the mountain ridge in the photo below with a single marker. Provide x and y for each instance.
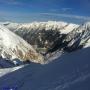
(14, 47)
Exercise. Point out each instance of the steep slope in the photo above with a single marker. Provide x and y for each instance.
(76, 39)
(69, 72)
(12, 47)
(79, 37)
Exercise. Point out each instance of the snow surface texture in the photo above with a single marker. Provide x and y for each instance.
(13, 46)
(69, 72)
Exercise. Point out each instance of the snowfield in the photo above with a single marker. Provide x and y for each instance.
(69, 72)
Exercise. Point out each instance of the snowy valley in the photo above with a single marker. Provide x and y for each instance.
(44, 56)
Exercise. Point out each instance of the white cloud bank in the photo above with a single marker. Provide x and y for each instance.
(68, 16)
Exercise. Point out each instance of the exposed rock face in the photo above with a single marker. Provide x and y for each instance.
(13, 46)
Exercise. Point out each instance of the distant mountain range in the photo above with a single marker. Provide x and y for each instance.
(46, 37)
(45, 34)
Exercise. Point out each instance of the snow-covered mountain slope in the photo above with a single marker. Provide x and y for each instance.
(79, 37)
(69, 72)
(14, 47)
(76, 39)
(53, 35)
(41, 34)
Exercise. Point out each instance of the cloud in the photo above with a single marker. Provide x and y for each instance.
(61, 10)
(66, 9)
(13, 2)
(67, 16)
(54, 10)
(30, 17)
